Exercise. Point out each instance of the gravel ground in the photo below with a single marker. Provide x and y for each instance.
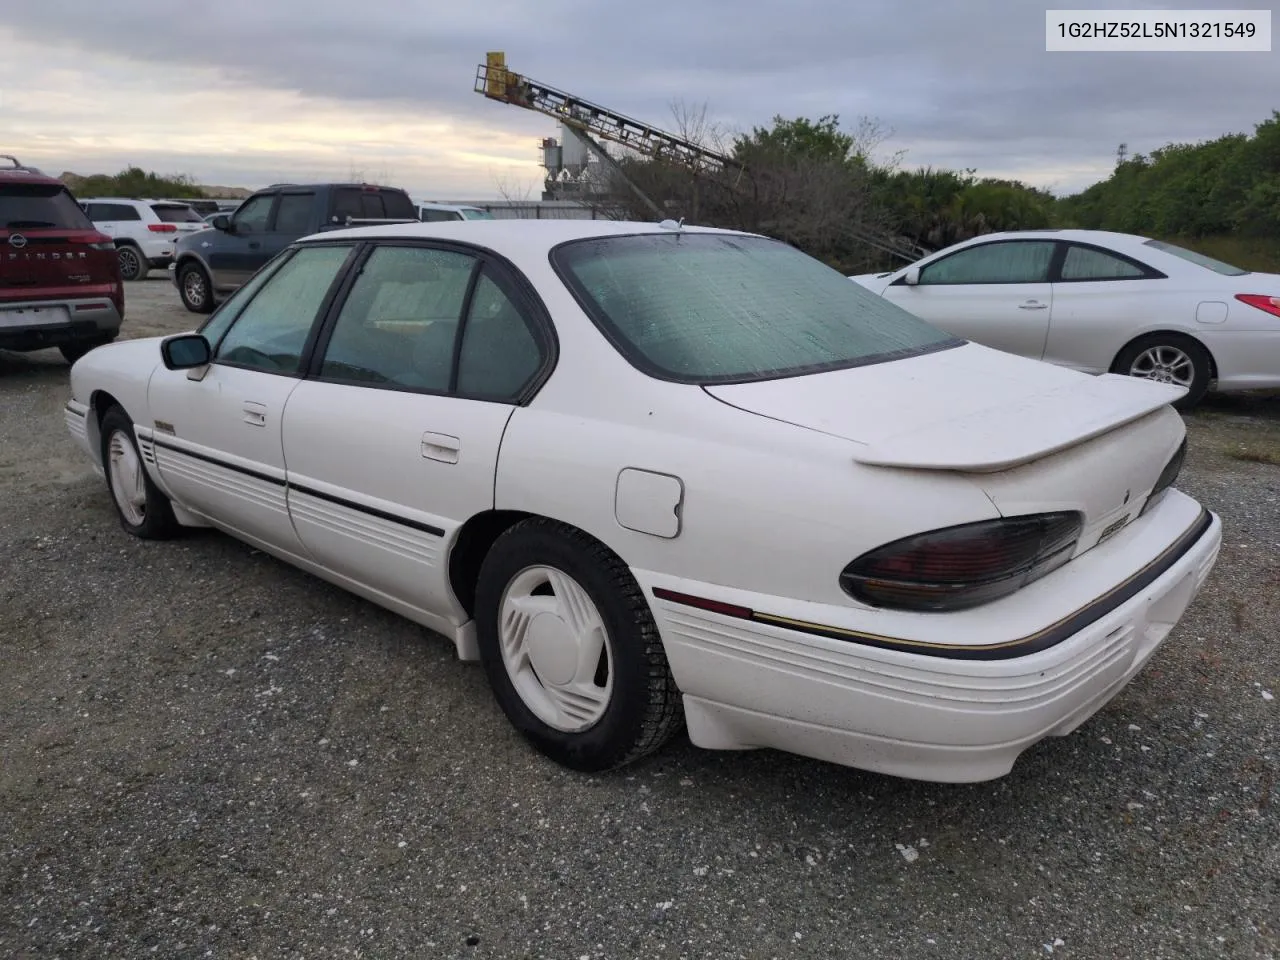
(204, 753)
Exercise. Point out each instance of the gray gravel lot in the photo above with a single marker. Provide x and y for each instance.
(204, 753)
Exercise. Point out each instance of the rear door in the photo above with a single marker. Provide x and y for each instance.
(295, 217)
(997, 294)
(393, 444)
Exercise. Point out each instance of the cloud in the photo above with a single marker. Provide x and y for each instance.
(288, 87)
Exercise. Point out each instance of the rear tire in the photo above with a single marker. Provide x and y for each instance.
(194, 288)
(571, 649)
(133, 266)
(143, 510)
(1169, 358)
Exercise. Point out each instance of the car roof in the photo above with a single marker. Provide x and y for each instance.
(1121, 241)
(28, 175)
(523, 235)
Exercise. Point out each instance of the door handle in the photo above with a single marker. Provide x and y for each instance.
(1033, 305)
(255, 413)
(440, 446)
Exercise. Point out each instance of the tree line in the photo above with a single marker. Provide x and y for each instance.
(816, 185)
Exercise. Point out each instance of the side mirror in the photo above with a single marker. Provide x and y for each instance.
(221, 222)
(185, 351)
(912, 276)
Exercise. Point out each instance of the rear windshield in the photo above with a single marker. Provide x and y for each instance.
(176, 213)
(1217, 266)
(709, 308)
(373, 204)
(33, 206)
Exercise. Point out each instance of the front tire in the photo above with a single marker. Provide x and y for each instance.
(194, 288)
(144, 511)
(1169, 358)
(571, 649)
(133, 266)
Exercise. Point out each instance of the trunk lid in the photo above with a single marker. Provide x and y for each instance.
(1032, 435)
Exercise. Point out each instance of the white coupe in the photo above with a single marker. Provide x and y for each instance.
(1098, 302)
(654, 476)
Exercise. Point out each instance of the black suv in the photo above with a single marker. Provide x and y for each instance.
(210, 264)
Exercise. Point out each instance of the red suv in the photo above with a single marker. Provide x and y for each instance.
(59, 277)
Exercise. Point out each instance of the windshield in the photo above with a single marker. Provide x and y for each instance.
(1217, 266)
(715, 308)
(37, 205)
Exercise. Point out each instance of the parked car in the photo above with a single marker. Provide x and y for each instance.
(1097, 301)
(145, 231)
(211, 265)
(650, 474)
(59, 277)
(436, 212)
(201, 205)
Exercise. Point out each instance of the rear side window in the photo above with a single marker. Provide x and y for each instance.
(1199, 259)
(709, 308)
(33, 206)
(176, 213)
(293, 215)
(1086, 263)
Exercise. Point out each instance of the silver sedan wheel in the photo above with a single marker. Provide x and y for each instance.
(128, 484)
(556, 648)
(1166, 364)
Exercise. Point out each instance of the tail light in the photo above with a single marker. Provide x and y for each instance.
(101, 245)
(1262, 301)
(1167, 477)
(957, 568)
(162, 228)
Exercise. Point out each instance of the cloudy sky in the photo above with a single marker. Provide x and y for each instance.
(248, 92)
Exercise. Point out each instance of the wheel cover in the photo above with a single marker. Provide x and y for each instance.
(193, 286)
(129, 262)
(1166, 364)
(556, 648)
(128, 483)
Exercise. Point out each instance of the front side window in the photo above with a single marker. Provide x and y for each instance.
(1012, 261)
(252, 217)
(398, 324)
(709, 308)
(471, 213)
(1088, 263)
(271, 330)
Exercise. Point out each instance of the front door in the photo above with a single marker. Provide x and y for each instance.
(218, 441)
(392, 444)
(235, 253)
(997, 294)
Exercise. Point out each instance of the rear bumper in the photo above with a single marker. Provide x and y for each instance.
(36, 324)
(749, 683)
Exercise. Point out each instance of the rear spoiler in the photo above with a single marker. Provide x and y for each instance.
(1000, 439)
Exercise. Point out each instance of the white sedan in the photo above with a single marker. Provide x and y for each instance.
(654, 477)
(1098, 302)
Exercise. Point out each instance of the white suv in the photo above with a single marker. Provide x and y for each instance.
(144, 231)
